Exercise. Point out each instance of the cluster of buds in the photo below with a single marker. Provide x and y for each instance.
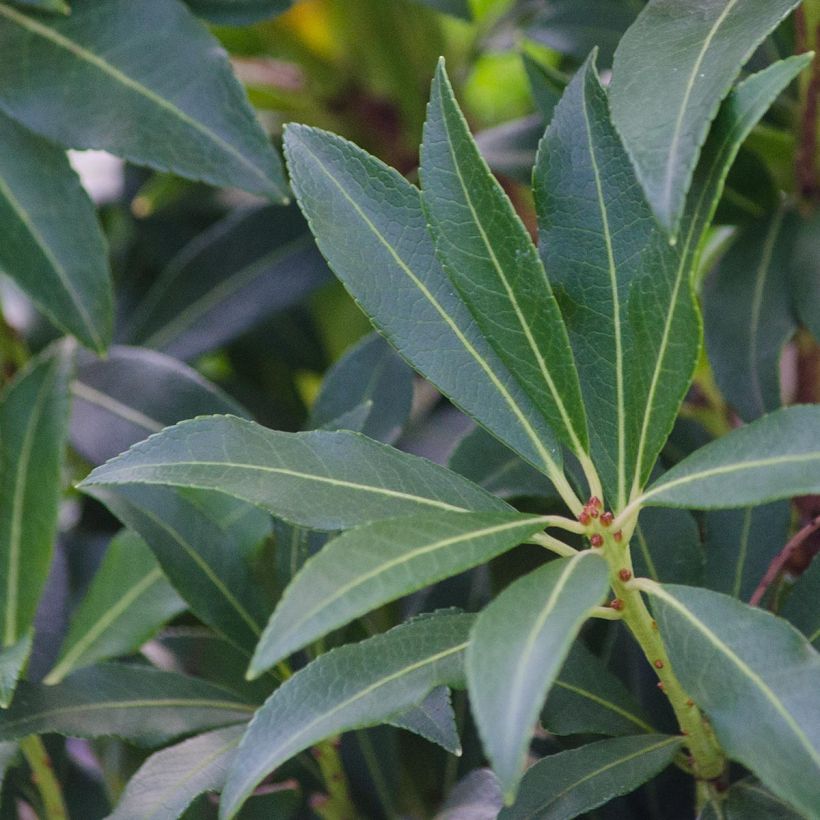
(593, 510)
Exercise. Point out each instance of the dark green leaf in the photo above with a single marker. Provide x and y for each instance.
(458, 8)
(292, 547)
(509, 149)
(238, 12)
(349, 688)
(748, 316)
(740, 544)
(136, 703)
(169, 780)
(773, 457)
(748, 800)
(281, 801)
(44, 5)
(323, 480)
(586, 698)
(672, 69)
(487, 253)
(801, 606)
(546, 86)
(432, 719)
(804, 282)
(369, 224)
(132, 393)
(13, 660)
(667, 547)
(516, 650)
(371, 372)
(33, 421)
(754, 675)
(50, 240)
(248, 265)
(128, 601)
(379, 562)
(567, 784)
(191, 118)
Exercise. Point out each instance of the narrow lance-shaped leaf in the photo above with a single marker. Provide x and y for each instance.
(774, 457)
(516, 650)
(369, 224)
(128, 601)
(487, 253)
(324, 480)
(349, 688)
(137, 703)
(754, 675)
(50, 241)
(432, 719)
(667, 547)
(567, 784)
(192, 118)
(379, 562)
(801, 605)
(672, 68)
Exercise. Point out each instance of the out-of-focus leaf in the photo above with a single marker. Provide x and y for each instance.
(281, 801)
(371, 372)
(128, 601)
(324, 480)
(250, 264)
(50, 240)
(509, 149)
(546, 86)
(8, 754)
(45, 5)
(132, 393)
(805, 284)
(801, 606)
(192, 118)
(567, 784)
(169, 780)
(748, 800)
(348, 688)
(238, 12)
(666, 547)
(458, 8)
(475, 797)
(432, 719)
(136, 703)
(12, 662)
(740, 544)
(292, 547)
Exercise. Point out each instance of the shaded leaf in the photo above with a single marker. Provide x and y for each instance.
(13, 660)
(192, 118)
(804, 282)
(348, 688)
(432, 719)
(475, 797)
(801, 605)
(509, 148)
(546, 86)
(238, 12)
(458, 8)
(667, 547)
(45, 5)
(50, 240)
(748, 800)
(516, 650)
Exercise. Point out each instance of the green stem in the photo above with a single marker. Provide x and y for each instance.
(339, 804)
(42, 775)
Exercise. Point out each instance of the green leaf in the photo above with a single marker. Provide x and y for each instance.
(516, 650)
(458, 8)
(546, 85)
(136, 703)
(44, 5)
(371, 371)
(133, 392)
(252, 263)
(169, 780)
(13, 660)
(773, 457)
(667, 547)
(748, 800)
(754, 676)
(740, 544)
(748, 316)
(348, 688)
(50, 240)
(8, 757)
(323, 480)
(369, 224)
(432, 719)
(129, 599)
(804, 282)
(192, 118)
(33, 420)
(509, 148)
(487, 253)
(801, 605)
(379, 562)
(672, 68)
(586, 698)
(567, 784)
(203, 558)
(238, 12)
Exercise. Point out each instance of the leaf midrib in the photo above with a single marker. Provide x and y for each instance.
(93, 396)
(607, 704)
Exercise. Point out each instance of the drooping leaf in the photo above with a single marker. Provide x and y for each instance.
(586, 698)
(33, 421)
(369, 224)
(203, 558)
(667, 547)
(348, 688)
(136, 703)
(379, 562)
(748, 316)
(752, 674)
(128, 600)
(133, 392)
(672, 68)
(169, 780)
(801, 605)
(488, 255)
(516, 650)
(192, 118)
(477, 796)
(238, 12)
(245, 267)
(50, 240)
(774, 457)
(804, 284)
(740, 544)
(13, 660)
(324, 480)
(432, 719)
(370, 372)
(567, 784)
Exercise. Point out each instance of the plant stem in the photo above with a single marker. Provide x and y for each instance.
(42, 775)
(338, 805)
